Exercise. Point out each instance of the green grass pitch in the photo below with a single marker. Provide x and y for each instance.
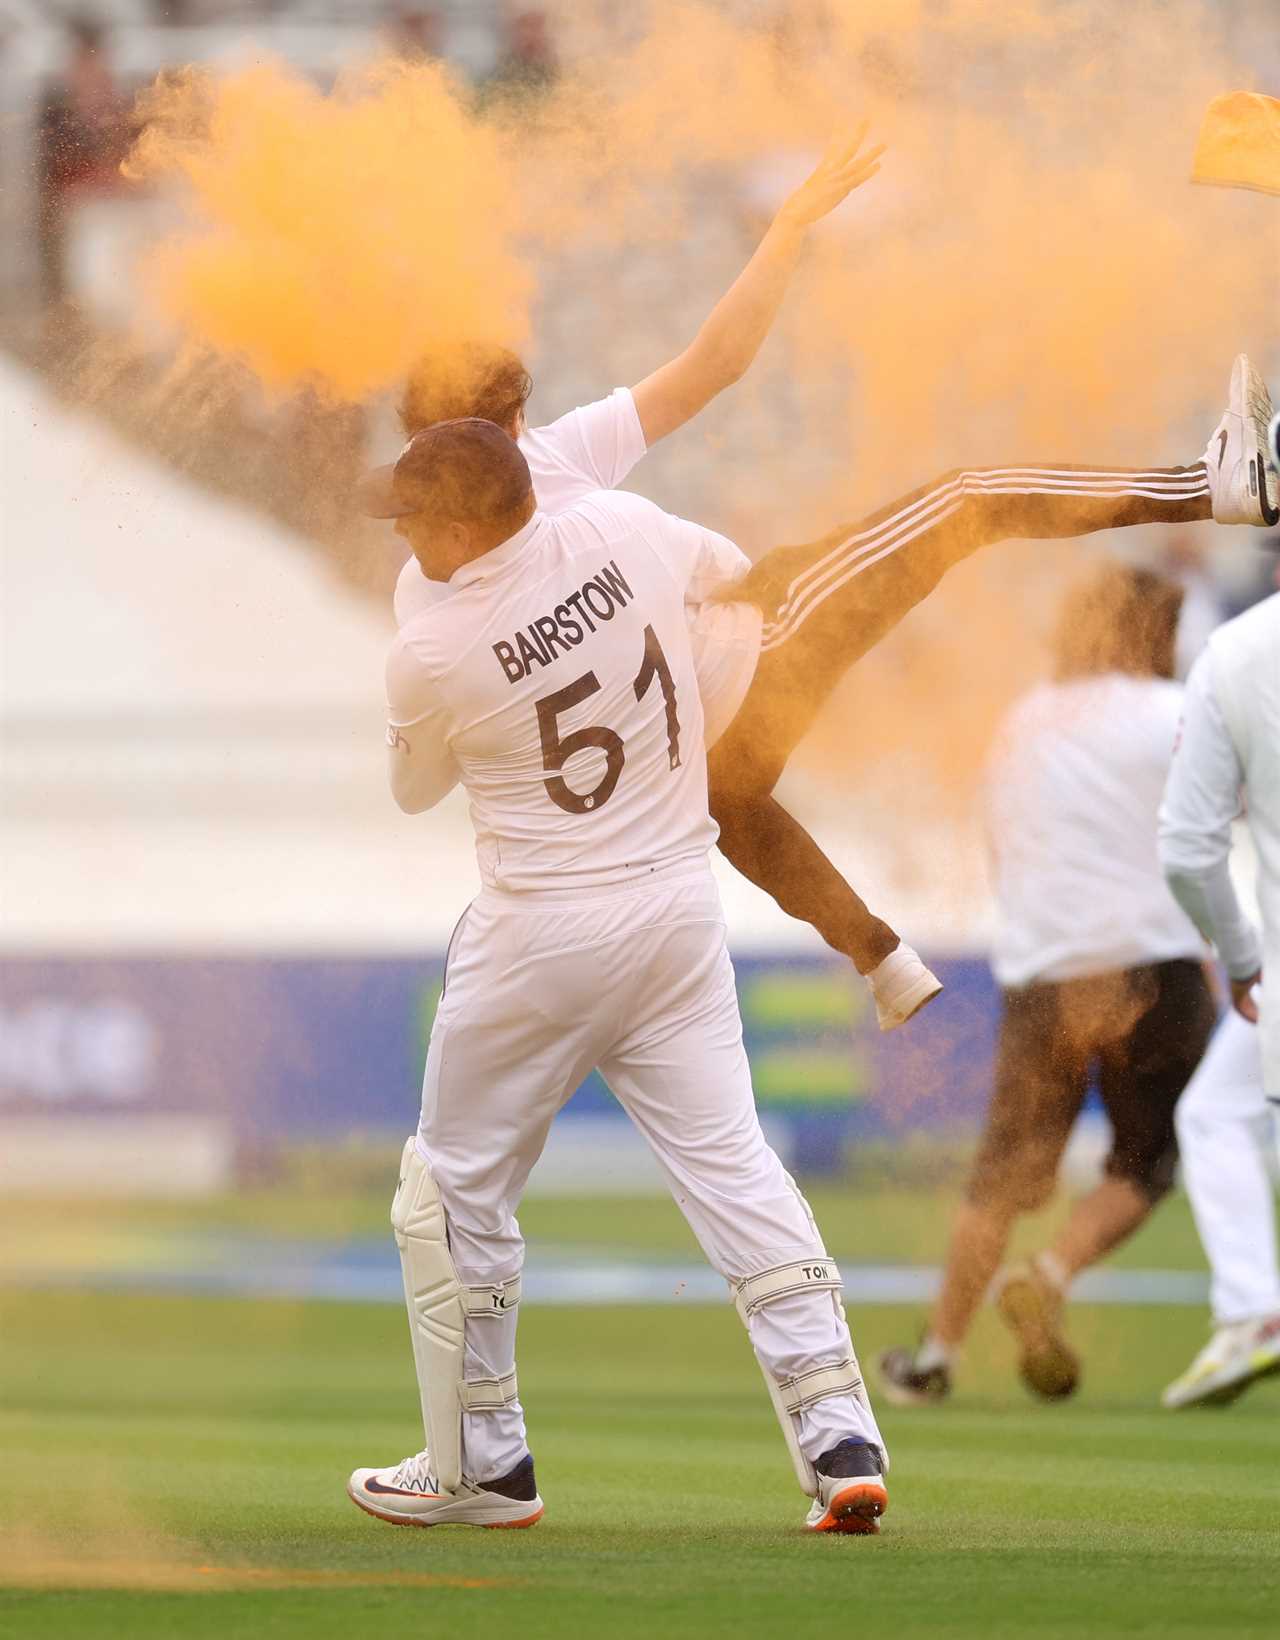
(175, 1467)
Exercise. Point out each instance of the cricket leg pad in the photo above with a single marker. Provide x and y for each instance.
(439, 1309)
(793, 1394)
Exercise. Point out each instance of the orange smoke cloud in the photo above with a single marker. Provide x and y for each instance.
(333, 238)
(1031, 276)
(1031, 249)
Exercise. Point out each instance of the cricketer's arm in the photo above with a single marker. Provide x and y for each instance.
(1201, 799)
(421, 767)
(421, 770)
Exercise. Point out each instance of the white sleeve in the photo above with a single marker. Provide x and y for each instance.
(599, 442)
(1201, 799)
(414, 592)
(420, 765)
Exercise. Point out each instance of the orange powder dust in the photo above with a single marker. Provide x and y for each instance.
(332, 238)
(1031, 278)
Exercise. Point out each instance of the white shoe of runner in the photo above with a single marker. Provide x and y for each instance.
(1240, 481)
(1236, 1356)
(901, 985)
(406, 1495)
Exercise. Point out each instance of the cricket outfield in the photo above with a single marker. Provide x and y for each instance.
(177, 1464)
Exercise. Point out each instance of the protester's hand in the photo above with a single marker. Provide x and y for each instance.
(1242, 998)
(843, 168)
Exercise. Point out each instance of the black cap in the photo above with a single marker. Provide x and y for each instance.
(468, 469)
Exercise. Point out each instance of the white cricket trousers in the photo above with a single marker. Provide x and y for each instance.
(1226, 1130)
(538, 991)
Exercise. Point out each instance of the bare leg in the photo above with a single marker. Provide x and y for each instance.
(776, 853)
(1040, 1082)
(978, 1240)
(1099, 1222)
(1150, 1026)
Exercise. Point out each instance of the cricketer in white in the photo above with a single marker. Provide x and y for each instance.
(1230, 742)
(554, 678)
(592, 448)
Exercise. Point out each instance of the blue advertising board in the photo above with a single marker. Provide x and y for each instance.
(317, 1048)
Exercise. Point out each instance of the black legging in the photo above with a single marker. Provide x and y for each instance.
(826, 604)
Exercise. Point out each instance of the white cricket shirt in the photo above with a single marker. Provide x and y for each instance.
(1072, 797)
(1231, 737)
(1202, 797)
(554, 677)
(594, 448)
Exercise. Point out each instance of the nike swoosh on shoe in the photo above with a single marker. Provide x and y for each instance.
(375, 1485)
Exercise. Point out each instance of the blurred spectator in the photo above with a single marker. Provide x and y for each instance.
(83, 134)
(416, 33)
(528, 64)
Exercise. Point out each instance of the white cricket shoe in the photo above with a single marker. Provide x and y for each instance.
(1236, 1356)
(900, 986)
(1242, 488)
(407, 1496)
(851, 1490)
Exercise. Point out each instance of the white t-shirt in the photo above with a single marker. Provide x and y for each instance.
(594, 448)
(554, 677)
(1072, 798)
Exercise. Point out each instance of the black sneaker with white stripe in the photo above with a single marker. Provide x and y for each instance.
(904, 1384)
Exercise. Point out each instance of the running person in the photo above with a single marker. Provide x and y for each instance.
(597, 941)
(1099, 968)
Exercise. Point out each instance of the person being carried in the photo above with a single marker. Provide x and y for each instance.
(771, 648)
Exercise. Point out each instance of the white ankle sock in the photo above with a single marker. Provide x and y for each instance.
(1053, 1271)
(931, 1353)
